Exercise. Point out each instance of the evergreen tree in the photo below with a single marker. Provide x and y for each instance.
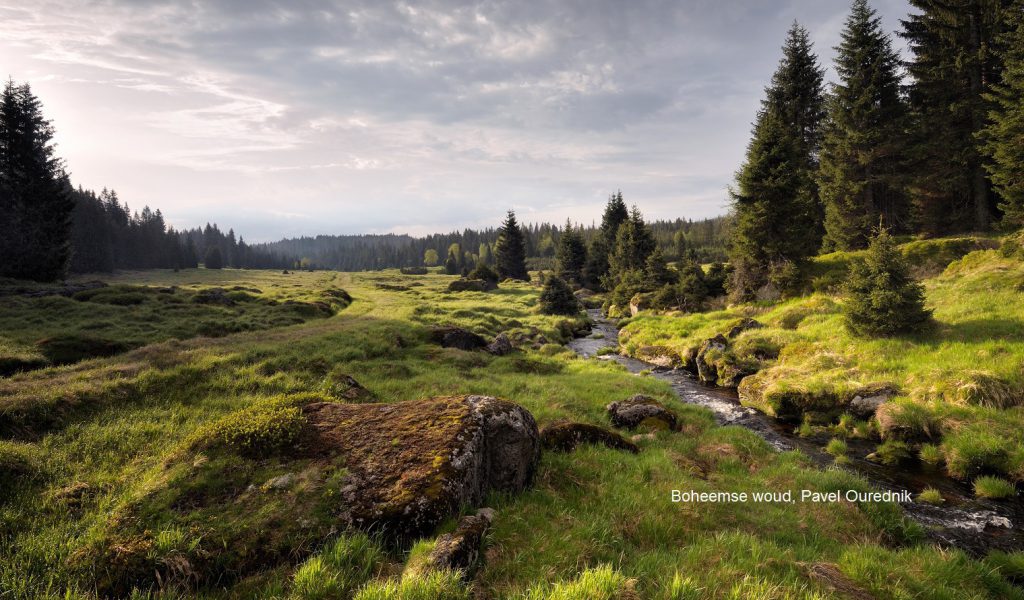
(634, 243)
(36, 197)
(770, 207)
(214, 259)
(688, 294)
(883, 298)
(598, 266)
(1004, 137)
(955, 62)
(657, 272)
(556, 298)
(571, 254)
(863, 148)
(510, 253)
(451, 264)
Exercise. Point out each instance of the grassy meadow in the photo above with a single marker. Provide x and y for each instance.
(99, 461)
(959, 386)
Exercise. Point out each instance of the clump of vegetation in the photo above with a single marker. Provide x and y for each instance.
(837, 448)
(971, 452)
(339, 569)
(993, 488)
(930, 495)
(557, 297)
(19, 461)
(893, 452)
(73, 347)
(601, 583)
(435, 585)
(260, 430)
(883, 298)
(930, 454)
(484, 273)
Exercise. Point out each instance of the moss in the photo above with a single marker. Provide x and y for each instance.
(260, 430)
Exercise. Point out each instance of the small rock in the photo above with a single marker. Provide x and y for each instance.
(566, 437)
(707, 372)
(640, 409)
(864, 406)
(460, 549)
(281, 482)
(745, 325)
(500, 346)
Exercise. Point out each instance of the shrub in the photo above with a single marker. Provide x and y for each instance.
(557, 298)
(484, 273)
(715, 279)
(883, 298)
(260, 430)
(930, 495)
(993, 488)
(630, 284)
(413, 270)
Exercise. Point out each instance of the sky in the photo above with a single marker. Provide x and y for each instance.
(305, 117)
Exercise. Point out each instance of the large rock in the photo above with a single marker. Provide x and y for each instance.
(566, 437)
(457, 337)
(642, 410)
(500, 346)
(659, 356)
(460, 550)
(413, 464)
(638, 303)
(707, 355)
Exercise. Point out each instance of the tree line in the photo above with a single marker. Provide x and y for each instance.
(50, 228)
(941, 154)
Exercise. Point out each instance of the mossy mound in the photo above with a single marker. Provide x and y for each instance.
(642, 411)
(266, 485)
(566, 437)
(73, 347)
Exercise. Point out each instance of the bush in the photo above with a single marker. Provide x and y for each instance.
(484, 273)
(993, 488)
(413, 270)
(883, 298)
(557, 298)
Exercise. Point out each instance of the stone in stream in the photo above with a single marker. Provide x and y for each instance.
(566, 437)
(866, 404)
(641, 410)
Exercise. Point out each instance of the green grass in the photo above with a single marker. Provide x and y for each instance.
(993, 488)
(960, 384)
(147, 456)
(930, 496)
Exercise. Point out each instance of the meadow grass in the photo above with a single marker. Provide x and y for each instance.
(156, 448)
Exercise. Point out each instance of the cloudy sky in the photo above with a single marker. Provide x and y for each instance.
(318, 116)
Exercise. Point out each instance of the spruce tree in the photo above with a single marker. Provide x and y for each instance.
(571, 254)
(597, 266)
(777, 212)
(510, 251)
(214, 258)
(634, 243)
(883, 299)
(863, 147)
(657, 272)
(955, 63)
(556, 298)
(36, 197)
(1004, 137)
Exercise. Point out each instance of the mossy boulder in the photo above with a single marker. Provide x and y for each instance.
(716, 365)
(659, 356)
(741, 326)
(642, 411)
(472, 285)
(412, 464)
(457, 337)
(566, 437)
(501, 345)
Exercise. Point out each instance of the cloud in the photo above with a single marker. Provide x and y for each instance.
(359, 115)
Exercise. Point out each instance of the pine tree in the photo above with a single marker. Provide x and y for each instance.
(863, 147)
(955, 63)
(657, 272)
(571, 254)
(1004, 137)
(770, 207)
(36, 197)
(883, 298)
(510, 253)
(556, 298)
(214, 259)
(597, 266)
(777, 212)
(451, 264)
(634, 243)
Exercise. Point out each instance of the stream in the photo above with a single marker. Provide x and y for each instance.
(963, 521)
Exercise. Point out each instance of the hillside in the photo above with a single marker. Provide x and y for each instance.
(159, 471)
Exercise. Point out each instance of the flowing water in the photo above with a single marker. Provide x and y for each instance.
(963, 521)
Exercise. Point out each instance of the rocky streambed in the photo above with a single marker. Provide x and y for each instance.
(963, 521)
